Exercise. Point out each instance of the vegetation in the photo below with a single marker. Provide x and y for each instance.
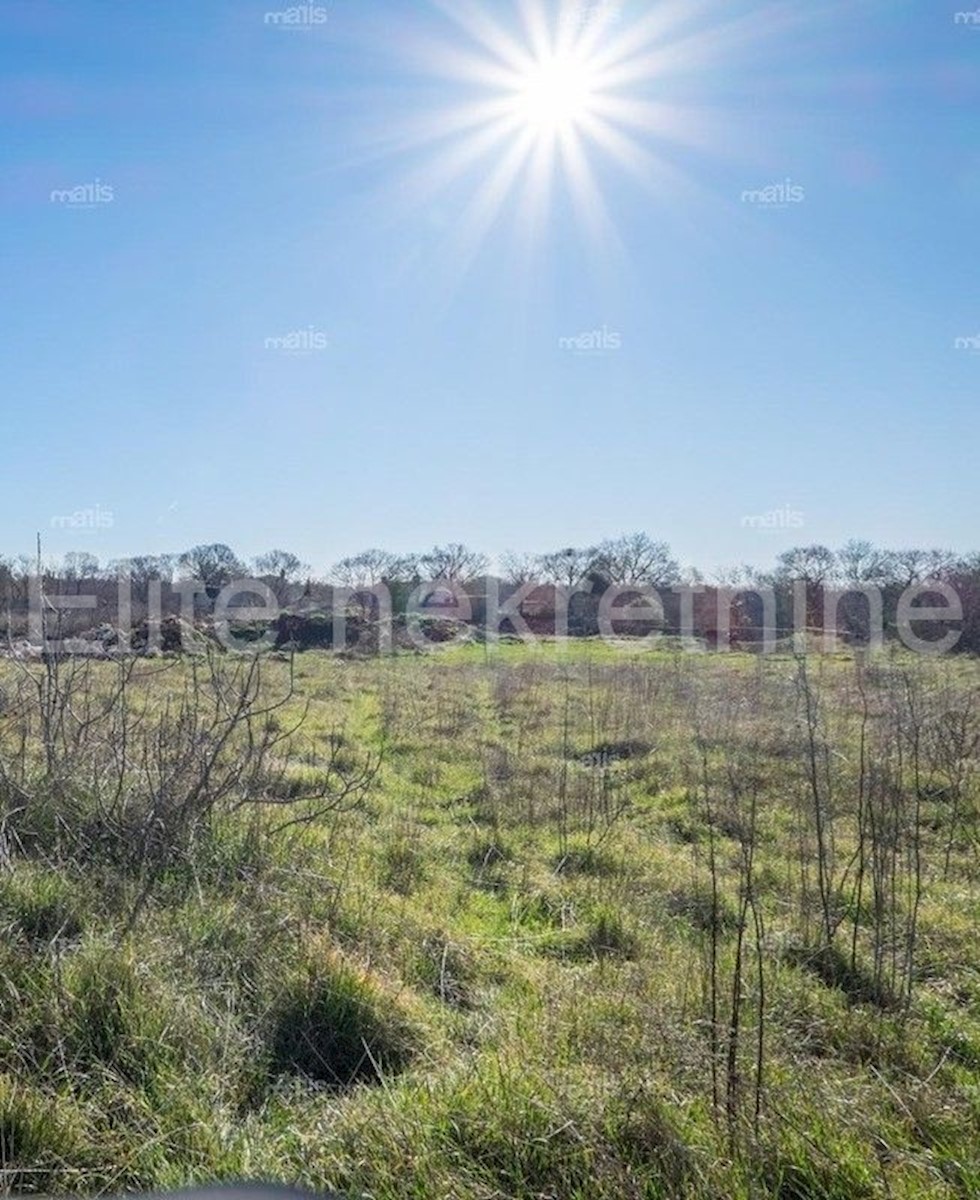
(860, 594)
(563, 920)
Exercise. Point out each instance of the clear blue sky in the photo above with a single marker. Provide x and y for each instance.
(267, 180)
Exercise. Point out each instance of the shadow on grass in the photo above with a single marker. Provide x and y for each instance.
(835, 969)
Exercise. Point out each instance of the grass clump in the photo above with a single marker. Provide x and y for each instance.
(41, 1139)
(584, 860)
(445, 969)
(111, 1014)
(402, 866)
(704, 911)
(335, 1024)
(488, 852)
(41, 906)
(605, 936)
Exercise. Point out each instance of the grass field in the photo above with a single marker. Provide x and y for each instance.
(493, 922)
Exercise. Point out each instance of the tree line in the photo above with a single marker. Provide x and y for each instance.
(629, 560)
(635, 558)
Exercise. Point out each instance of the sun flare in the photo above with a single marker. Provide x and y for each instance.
(554, 95)
(553, 100)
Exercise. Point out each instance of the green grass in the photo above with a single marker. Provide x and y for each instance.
(490, 976)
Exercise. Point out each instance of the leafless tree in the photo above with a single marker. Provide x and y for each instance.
(519, 569)
(861, 562)
(915, 564)
(279, 570)
(371, 567)
(281, 563)
(813, 565)
(567, 567)
(214, 564)
(635, 558)
(79, 564)
(454, 562)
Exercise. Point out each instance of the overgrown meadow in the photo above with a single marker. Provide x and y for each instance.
(570, 921)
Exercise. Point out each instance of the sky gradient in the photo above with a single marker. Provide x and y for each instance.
(820, 356)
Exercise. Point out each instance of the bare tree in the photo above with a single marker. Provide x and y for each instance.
(371, 567)
(279, 569)
(214, 564)
(520, 569)
(144, 568)
(79, 564)
(744, 575)
(860, 562)
(811, 564)
(567, 567)
(281, 563)
(915, 564)
(454, 562)
(635, 558)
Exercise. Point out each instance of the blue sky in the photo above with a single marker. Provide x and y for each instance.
(269, 180)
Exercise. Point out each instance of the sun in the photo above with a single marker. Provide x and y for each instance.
(538, 108)
(554, 95)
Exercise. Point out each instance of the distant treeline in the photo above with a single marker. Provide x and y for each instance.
(835, 586)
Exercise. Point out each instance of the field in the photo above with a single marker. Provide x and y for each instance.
(496, 921)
